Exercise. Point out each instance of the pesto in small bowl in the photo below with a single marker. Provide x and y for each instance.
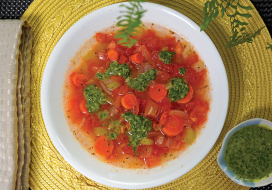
(246, 153)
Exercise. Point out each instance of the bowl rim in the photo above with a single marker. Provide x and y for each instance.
(220, 157)
(219, 121)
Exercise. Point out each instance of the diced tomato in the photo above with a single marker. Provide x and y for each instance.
(135, 109)
(199, 113)
(121, 90)
(129, 51)
(151, 43)
(178, 49)
(96, 121)
(153, 134)
(160, 140)
(142, 105)
(128, 150)
(173, 143)
(83, 107)
(122, 59)
(117, 102)
(101, 38)
(75, 102)
(145, 151)
(140, 94)
(195, 78)
(87, 125)
(178, 145)
(165, 105)
(166, 42)
(95, 67)
(175, 70)
(162, 77)
(79, 79)
(122, 139)
(103, 56)
(158, 151)
(187, 106)
(191, 59)
(152, 162)
(112, 45)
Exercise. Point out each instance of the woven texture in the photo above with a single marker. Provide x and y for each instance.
(15, 48)
(248, 69)
(14, 9)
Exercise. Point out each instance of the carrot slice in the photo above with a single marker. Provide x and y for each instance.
(103, 146)
(113, 54)
(129, 101)
(80, 79)
(137, 58)
(158, 92)
(171, 125)
(83, 107)
(188, 97)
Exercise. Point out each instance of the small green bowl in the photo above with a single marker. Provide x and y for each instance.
(223, 165)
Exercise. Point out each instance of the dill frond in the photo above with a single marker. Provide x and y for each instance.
(239, 35)
(129, 21)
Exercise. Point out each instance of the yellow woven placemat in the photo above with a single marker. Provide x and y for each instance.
(248, 69)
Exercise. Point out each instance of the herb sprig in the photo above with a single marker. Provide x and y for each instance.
(269, 46)
(129, 21)
(239, 36)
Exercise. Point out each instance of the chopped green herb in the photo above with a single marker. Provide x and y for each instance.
(248, 152)
(115, 68)
(139, 126)
(166, 56)
(142, 81)
(94, 98)
(182, 71)
(112, 135)
(103, 115)
(179, 90)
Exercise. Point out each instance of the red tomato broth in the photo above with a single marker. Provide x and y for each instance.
(149, 44)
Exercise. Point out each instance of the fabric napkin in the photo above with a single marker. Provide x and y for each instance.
(15, 58)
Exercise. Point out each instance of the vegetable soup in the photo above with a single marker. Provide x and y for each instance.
(137, 107)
